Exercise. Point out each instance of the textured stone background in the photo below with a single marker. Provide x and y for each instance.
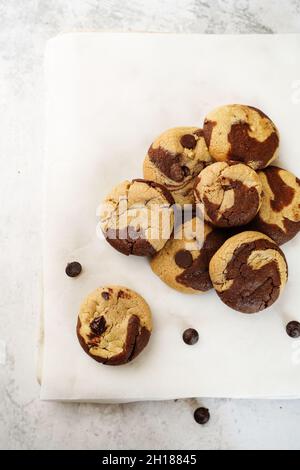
(25, 422)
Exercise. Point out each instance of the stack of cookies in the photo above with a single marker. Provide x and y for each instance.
(249, 209)
(234, 212)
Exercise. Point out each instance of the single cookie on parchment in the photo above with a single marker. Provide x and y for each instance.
(175, 158)
(279, 215)
(114, 325)
(231, 193)
(137, 217)
(241, 133)
(183, 262)
(249, 272)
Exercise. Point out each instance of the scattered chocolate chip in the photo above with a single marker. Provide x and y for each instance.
(186, 170)
(188, 141)
(293, 329)
(73, 269)
(98, 325)
(201, 415)
(105, 295)
(183, 259)
(190, 336)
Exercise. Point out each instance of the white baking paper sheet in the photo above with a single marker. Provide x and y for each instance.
(108, 96)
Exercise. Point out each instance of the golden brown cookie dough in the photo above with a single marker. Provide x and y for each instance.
(249, 272)
(241, 133)
(231, 193)
(183, 262)
(175, 158)
(114, 325)
(279, 215)
(137, 217)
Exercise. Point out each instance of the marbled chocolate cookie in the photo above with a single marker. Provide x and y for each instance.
(175, 158)
(279, 215)
(137, 217)
(231, 193)
(184, 260)
(114, 325)
(249, 272)
(241, 133)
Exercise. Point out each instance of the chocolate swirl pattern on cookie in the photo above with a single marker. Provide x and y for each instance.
(174, 160)
(279, 215)
(249, 272)
(231, 193)
(132, 218)
(114, 325)
(183, 262)
(241, 133)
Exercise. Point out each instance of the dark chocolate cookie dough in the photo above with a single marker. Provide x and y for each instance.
(241, 133)
(114, 325)
(175, 158)
(184, 260)
(132, 218)
(279, 215)
(231, 193)
(249, 272)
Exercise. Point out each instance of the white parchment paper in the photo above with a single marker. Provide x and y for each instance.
(108, 96)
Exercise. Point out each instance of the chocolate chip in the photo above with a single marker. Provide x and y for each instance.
(190, 336)
(105, 295)
(201, 415)
(293, 329)
(73, 269)
(183, 259)
(186, 170)
(188, 141)
(98, 325)
(176, 172)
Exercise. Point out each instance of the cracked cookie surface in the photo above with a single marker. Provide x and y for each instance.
(231, 193)
(114, 325)
(183, 262)
(279, 215)
(241, 133)
(137, 217)
(175, 158)
(249, 272)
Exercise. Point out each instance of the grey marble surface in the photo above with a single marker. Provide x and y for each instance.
(26, 422)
